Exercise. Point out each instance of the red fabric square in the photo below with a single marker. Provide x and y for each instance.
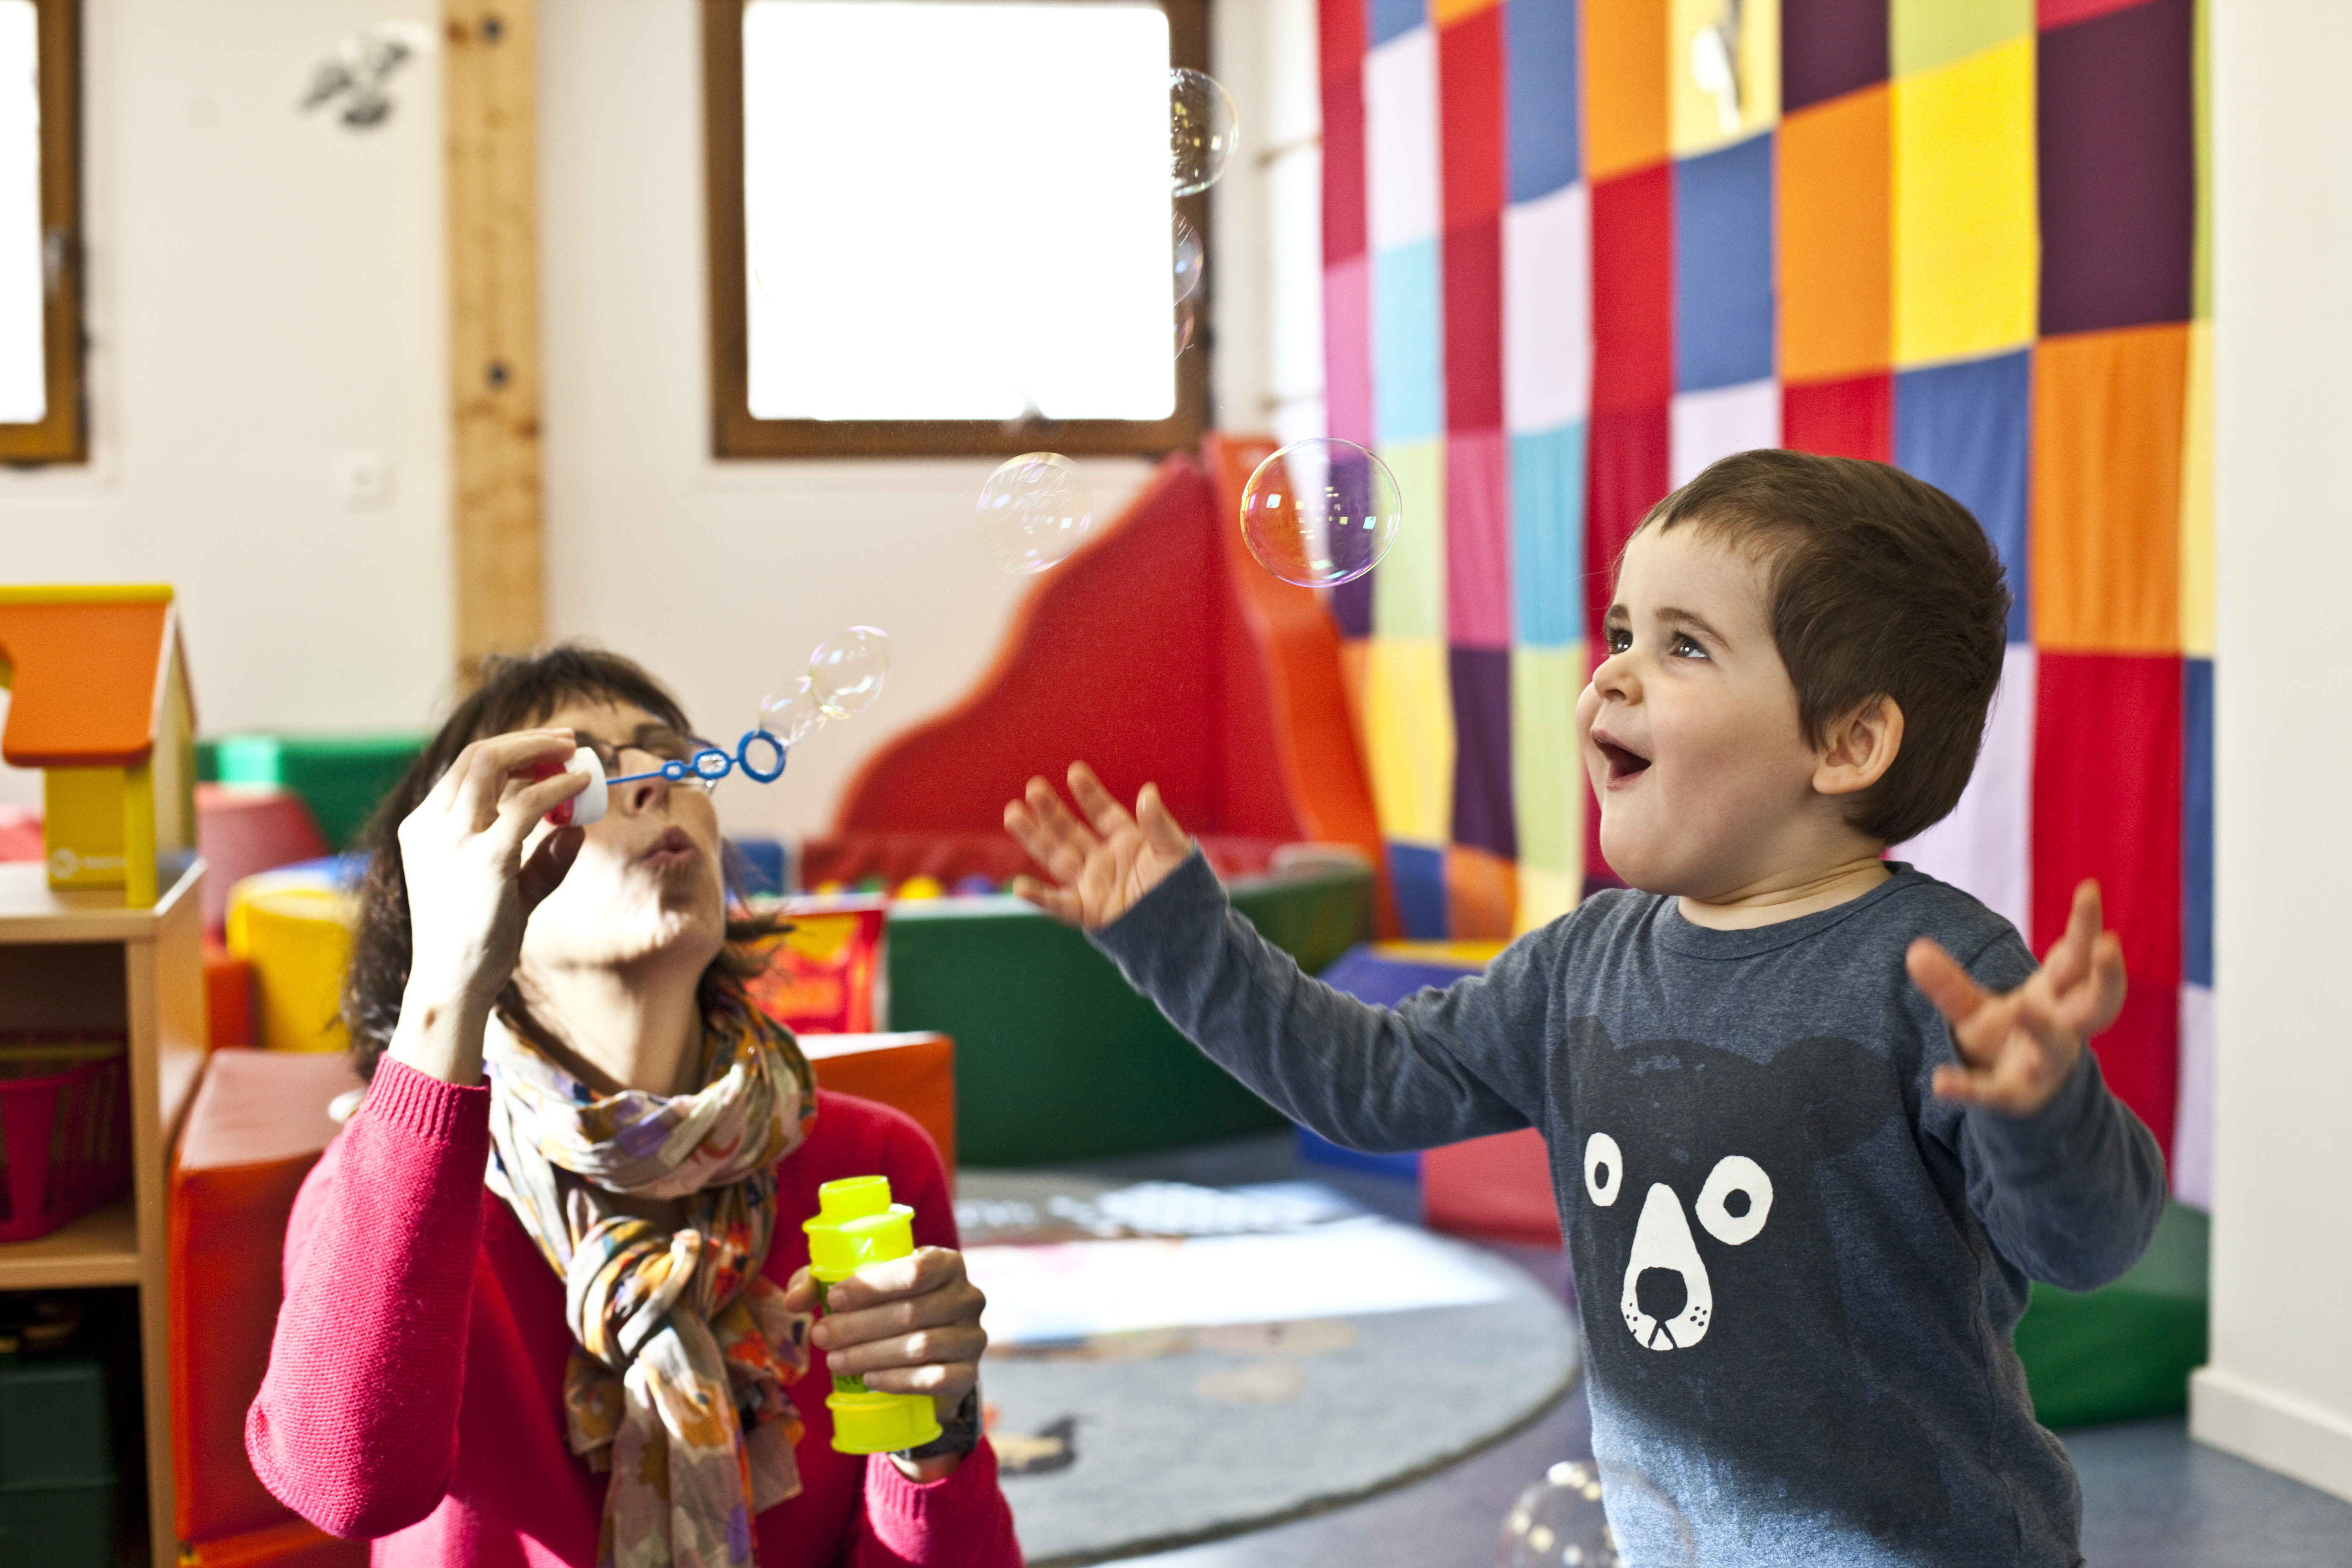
(1474, 326)
(1633, 293)
(1478, 540)
(2140, 1057)
(1343, 155)
(1472, 103)
(1626, 475)
(2107, 801)
(1840, 418)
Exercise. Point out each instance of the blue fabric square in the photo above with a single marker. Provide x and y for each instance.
(1408, 345)
(1547, 125)
(1404, 1167)
(1967, 429)
(1390, 18)
(1417, 877)
(1547, 537)
(1724, 318)
(2197, 822)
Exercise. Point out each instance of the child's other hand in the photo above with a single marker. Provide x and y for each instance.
(2016, 1050)
(1104, 868)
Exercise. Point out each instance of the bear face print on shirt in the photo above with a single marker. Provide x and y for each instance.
(1709, 1269)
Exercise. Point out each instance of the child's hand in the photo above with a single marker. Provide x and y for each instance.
(2016, 1050)
(1103, 870)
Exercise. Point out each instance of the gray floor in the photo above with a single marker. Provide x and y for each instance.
(2151, 1498)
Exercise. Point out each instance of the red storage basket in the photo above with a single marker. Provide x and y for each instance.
(65, 1130)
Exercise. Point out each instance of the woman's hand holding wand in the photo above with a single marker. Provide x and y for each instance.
(471, 887)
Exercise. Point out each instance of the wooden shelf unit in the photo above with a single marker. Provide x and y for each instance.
(82, 961)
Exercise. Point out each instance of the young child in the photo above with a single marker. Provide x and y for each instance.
(1815, 1118)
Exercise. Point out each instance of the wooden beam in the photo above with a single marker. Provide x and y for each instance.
(492, 101)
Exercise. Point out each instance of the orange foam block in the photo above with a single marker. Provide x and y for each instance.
(228, 998)
(910, 1072)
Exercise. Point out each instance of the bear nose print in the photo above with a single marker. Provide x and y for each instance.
(1661, 1293)
(1667, 1301)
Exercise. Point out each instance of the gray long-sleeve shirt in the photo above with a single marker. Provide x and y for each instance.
(1798, 1270)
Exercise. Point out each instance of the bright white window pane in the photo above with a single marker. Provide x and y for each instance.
(956, 211)
(24, 394)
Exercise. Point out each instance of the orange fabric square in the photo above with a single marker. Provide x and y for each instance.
(1482, 893)
(1836, 233)
(1624, 86)
(2108, 413)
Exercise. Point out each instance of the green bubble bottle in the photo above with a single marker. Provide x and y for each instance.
(857, 1225)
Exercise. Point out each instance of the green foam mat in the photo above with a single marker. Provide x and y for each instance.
(1056, 1058)
(341, 778)
(2125, 1351)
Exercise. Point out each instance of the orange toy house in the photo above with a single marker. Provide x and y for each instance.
(101, 703)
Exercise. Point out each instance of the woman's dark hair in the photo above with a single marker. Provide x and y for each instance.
(515, 691)
(1881, 586)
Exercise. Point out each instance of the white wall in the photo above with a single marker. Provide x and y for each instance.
(2278, 1390)
(720, 576)
(265, 298)
(1267, 221)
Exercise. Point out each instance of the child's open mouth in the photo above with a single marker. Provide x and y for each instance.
(1623, 765)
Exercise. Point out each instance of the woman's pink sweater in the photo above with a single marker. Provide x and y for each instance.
(414, 1386)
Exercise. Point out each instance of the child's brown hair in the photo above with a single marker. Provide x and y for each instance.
(1881, 586)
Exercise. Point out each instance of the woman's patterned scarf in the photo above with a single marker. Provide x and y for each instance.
(682, 1346)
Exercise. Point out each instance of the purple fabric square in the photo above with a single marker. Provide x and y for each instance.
(1482, 814)
(1830, 47)
(2115, 113)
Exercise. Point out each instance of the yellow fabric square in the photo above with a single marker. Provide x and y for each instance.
(2197, 498)
(1409, 731)
(1719, 89)
(1967, 249)
(1544, 896)
(1409, 587)
(1924, 34)
(1548, 787)
(1445, 13)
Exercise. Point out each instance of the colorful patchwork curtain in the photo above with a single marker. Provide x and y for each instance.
(1576, 251)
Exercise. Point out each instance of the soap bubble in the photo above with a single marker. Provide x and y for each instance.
(845, 673)
(1033, 511)
(1187, 323)
(1187, 257)
(792, 715)
(1558, 1522)
(1201, 129)
(1321, 512)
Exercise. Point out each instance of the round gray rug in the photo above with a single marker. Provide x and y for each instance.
(1128, 1443)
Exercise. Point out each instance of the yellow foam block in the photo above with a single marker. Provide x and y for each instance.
(297, 938)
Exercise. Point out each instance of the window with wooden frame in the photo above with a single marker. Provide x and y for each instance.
(41, 413)
(943, 227)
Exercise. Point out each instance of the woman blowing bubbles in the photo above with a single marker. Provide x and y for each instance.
(602, 1354)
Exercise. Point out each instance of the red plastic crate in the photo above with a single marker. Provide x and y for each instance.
(65, 1130)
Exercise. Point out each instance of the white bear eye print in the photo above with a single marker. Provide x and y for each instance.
(1735, 1200)
(1604, 1169)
